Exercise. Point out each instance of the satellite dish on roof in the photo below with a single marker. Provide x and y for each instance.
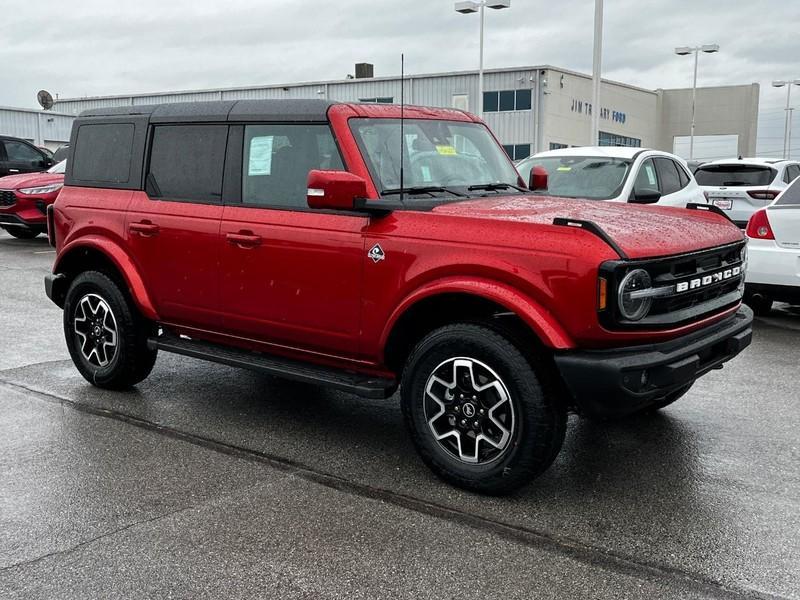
(45, 99)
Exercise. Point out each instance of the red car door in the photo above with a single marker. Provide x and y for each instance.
(291, 276)
(173, 228)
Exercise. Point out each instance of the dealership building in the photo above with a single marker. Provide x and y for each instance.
(529, 108)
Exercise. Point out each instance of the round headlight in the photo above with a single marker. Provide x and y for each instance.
(633, 305)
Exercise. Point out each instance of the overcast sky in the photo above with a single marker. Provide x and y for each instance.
(99, 47)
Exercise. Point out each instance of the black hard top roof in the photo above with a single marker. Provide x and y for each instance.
(222, 110)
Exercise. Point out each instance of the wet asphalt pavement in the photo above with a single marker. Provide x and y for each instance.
(210, 482)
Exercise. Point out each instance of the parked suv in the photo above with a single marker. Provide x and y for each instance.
(617, 174)
(24, 200)
(19, 156)
(741, 187)
(304, 239)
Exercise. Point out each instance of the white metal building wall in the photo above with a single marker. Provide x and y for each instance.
(43, 128)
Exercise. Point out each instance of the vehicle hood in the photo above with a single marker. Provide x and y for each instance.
(641, 231)
(26, 180)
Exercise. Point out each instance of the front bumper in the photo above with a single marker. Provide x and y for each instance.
(55, 286)
(618, 382)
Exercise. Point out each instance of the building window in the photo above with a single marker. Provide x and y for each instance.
(612, 139)
(557, 146)
(507, 100)
(383, 100)
(517, 151)
(461, 101)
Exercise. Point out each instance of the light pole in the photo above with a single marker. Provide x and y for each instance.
(596, 70)
(472, 6)
(787, 128)
(685, 51)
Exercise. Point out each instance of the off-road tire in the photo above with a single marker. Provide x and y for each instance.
(132, 360)
(22, 233)
(539, 419)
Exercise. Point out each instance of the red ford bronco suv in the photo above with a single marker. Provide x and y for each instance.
(342, 245)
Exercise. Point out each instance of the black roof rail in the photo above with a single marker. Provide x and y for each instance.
(593, 228)
(708, 208)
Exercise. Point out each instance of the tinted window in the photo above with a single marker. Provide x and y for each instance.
(277, 159)
(186, 162)
(734, 175)
(19, 152)
(646, 179)
(103, 153)
(507, 100)
(668, 175)
(792, 171)
(490, 101)
(791, 195)
(523, 99)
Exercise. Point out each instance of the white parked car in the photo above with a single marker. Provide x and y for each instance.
(616, 174)
(742, 186)
(773, 248)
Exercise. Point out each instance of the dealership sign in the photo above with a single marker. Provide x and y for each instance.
(585, 108)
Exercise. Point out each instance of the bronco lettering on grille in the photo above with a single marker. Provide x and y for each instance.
(700, 282)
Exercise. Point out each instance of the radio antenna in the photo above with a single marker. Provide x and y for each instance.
(402, 123)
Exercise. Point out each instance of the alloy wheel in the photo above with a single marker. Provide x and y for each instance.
(95, 330)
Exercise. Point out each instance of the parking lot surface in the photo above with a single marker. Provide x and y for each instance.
(206, 481)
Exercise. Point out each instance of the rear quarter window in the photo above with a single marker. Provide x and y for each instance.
(103, 153)
(791, 195)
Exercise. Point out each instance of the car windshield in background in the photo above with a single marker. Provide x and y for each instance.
(438, 154)
(733, 175)
(592, 177)
(58, 167)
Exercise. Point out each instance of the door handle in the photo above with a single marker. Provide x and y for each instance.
(144, 228)
(244, 239)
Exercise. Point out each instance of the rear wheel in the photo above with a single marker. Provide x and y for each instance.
(22, 233)
(106, 336)
(478, 414)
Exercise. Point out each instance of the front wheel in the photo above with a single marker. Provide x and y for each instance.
(477, 411)
(22, 233)
(106, 336)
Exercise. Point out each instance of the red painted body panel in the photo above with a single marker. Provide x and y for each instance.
(25, 207)
(300, 283)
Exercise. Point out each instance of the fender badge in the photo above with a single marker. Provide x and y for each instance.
(376, 253)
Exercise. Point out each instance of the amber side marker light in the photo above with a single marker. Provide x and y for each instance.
(602, 293)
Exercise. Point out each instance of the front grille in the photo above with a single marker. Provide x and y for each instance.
(688, 287)
(7, 198)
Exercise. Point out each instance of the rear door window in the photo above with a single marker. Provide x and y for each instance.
(19, 152)
(734, 175)
(186, 162)
(791, 173)
(668, 176)
(684, 176)
(277, 159)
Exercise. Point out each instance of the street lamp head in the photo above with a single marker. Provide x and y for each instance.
(683, 51)
(778, 83)
(710, 48)
(498, 4)
(467, 7)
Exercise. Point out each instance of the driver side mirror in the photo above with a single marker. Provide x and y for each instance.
(538, 178)
(645, 196)
(334, 190)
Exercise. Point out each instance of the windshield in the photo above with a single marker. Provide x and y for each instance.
(438, 153)
(734, 175)
(58, 167)
(592, 177)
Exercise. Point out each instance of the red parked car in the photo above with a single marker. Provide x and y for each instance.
(24, 199)
(342, 245)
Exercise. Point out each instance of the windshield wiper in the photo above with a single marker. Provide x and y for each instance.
(430, 189)
(493, 187)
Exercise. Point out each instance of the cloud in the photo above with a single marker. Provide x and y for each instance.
(97, 47)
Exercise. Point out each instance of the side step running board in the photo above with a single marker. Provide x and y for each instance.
(363, 385)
